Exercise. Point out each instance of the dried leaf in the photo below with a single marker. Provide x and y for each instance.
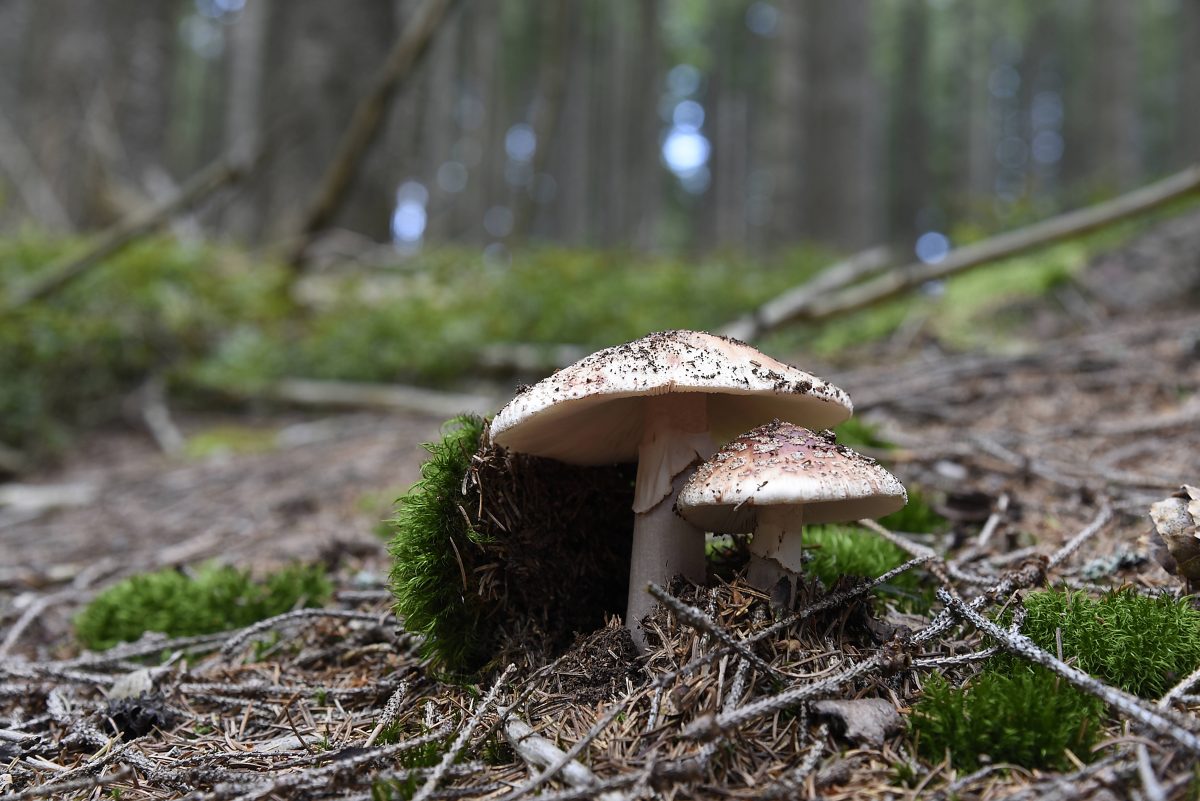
(865, 721)
(1177, 525)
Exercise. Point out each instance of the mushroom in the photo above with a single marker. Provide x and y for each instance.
(772, 480)
(661, 400)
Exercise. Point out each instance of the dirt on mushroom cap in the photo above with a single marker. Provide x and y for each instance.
(585, 413)
(784, 464)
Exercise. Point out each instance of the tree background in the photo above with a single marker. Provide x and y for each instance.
(647, 124)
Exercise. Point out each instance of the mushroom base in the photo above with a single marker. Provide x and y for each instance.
(776, 549)
(664, 546)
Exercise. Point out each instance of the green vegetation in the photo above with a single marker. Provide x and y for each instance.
(917, 516)
(227, 439)
(178, 605)
(1144, 645)
(858, 433)
(158, 307)
(835, 551)
(210, 320)
(427, 755)
(1026, 717)
(426, 576)
(1015, 712)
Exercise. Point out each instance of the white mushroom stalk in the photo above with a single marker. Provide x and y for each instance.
(662, 399)
(777, 548)
(675, 437)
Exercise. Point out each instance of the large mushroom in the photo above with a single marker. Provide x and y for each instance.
(661, 400)
(773, 480)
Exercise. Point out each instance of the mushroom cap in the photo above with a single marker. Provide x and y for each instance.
(589, 412)
(781, 464)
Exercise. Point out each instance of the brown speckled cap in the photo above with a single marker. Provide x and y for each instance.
(588, 412)
(781, 464)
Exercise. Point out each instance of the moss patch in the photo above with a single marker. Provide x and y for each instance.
(178, 605)
(835, 551)
(1026, 717)
(1144, 645)
(495, 551)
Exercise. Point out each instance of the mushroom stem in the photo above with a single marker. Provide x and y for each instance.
(675, 436)
(777, 548)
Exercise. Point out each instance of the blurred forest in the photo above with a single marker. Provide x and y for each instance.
(211, 199)
(657, 124)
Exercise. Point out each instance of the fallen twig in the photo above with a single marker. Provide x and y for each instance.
(697, 619)
(452, 753)
(228, 169)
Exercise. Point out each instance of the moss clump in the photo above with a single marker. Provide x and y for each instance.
(1026, 717)
(1144, 645)
(834, 551)
(495, 550)
(430, 533)
(178, 605)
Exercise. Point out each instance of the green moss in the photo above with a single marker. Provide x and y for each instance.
(229, 439)
(426, 575)
(157, 307)
(917, 516)
(858, 433)
(215, 599)
(835, 551)
(1144, 645)
(423, 756)
(1026, 717)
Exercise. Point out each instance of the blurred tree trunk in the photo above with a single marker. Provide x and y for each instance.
(555, 40)
(15, 17)
(841, 190)
(573, 145)
(1041, 79)
(1114, 158)
(14, 24)
(1189, 82)
(961, 143)
(320, 58)
(64, 56)
(437, 113)
(600, 93)
(727, 128)
(246, 60)
(139, 84)
(645, 186)
(909, 140)
(786, 121)
(481, 120)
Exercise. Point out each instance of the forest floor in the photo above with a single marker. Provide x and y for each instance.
(1075, 430)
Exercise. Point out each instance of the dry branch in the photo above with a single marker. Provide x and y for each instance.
(1013, 243)
(305, 392)
(366, 122)
(796, 302)
(229, 169)
(540, 752)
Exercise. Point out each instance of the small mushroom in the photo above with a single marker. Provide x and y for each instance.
(774, 479)
(661, 400)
